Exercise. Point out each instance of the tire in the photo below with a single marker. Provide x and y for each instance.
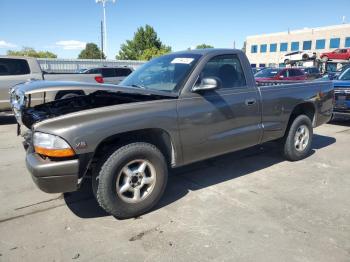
(122, 188)
(324, 58)
(305, 57)
(293, 150)
(286, 62)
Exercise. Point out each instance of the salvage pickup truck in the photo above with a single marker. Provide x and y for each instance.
(15, 70)
(175, 110)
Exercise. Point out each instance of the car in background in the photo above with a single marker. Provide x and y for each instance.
(81, 70)
(111, 75)
(257, 69)
(17, 69)
(342, 94)
(338, 54)
(280, 74)
(297, 56)
(311, 72)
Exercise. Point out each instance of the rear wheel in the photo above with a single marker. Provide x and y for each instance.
(305, 57)
(131, 181)
(297, 142)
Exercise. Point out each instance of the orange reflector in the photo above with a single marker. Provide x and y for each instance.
(67, 152)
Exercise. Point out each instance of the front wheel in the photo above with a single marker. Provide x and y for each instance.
(132, 180)
(297, 142)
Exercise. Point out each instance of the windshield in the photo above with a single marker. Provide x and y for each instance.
(165, 73)
(268, 72)
(345, 75)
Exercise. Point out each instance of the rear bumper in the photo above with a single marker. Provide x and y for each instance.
(53, 176)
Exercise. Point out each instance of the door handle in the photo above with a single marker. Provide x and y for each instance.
(250, 101)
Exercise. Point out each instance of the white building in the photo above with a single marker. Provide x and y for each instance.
(267, 49)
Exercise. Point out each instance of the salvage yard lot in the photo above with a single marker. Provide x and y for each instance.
(246, 206)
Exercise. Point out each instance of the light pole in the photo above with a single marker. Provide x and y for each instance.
(104, 23)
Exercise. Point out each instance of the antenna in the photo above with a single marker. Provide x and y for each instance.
(104, 22)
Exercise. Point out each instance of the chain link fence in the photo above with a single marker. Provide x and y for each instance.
(75, 65)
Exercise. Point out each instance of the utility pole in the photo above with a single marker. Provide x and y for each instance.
(104, 22)
(102, 40)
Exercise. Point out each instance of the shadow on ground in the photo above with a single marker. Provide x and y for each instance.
(198, 176)
(340, 122)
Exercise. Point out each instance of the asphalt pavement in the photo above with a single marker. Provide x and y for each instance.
(250, 205)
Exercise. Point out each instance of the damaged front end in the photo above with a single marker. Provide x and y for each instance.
(94, 96)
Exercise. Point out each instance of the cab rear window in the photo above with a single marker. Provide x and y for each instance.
(13, 67)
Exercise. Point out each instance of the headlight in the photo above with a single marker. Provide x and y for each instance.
(52, 146)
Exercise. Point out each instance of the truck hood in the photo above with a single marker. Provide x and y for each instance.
(40, 86)
(98, 96)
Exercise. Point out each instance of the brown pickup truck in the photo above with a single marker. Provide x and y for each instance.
(175, 110)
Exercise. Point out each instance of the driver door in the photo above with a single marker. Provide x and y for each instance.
(214, 122)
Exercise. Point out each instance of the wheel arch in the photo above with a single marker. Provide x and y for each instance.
(60, 94)
(305, 108)
(156, 136)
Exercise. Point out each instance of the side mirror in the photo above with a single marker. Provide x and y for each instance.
(208, 83)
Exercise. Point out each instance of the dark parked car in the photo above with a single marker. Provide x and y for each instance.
(342, 94)
(175, 110)
(311, 72)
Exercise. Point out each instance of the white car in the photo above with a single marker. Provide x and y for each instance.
(297, 56)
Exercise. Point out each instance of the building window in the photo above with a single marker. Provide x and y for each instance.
(283, 47)
(253, 65)
(320, 44)
(273, 47)
(263, 48)
(254, 49)
(334, 43)
(295, 46)
(307, 45)
(262, 65)
(347, 42)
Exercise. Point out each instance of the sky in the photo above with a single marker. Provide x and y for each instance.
(64, 26)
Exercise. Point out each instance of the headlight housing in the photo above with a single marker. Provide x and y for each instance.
(51, 145)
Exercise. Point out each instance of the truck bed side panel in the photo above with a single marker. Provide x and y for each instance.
(278, 102)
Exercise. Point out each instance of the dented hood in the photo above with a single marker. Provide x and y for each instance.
(32, 87)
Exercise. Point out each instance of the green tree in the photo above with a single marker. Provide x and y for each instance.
(144, 46)
(203, 46)
(91, 51)
(28, 51)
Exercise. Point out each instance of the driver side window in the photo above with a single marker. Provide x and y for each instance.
(227, 70)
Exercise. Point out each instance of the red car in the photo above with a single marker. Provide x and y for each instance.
(271, 74)
(338, 54)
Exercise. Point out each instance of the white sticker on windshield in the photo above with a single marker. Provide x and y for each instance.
(182, 60)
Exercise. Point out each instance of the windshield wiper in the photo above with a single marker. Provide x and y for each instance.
(138, 86)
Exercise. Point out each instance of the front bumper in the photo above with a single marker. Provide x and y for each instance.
(53, 176)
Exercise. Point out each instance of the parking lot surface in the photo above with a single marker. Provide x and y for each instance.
(251, 205)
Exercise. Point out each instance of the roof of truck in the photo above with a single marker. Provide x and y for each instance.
(206, 51)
